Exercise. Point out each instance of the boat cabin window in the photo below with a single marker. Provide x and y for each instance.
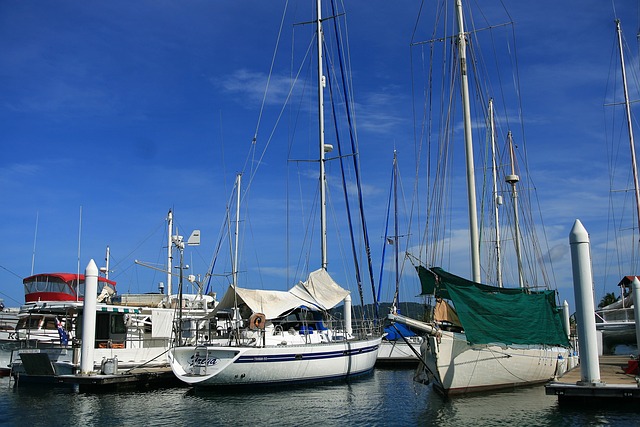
(117, 324)
(30, 322)
(111, 330)
(46, 284)
(50, 323)
(74, 285)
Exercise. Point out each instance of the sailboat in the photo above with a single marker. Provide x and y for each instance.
(400, 345)
(485, 337)
(269, 337)
(616, 321)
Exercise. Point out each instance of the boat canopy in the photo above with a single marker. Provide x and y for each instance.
(490, 314)
(64, 277)
(59, 287)
(397, 332)
(70, 307)
(318, 292)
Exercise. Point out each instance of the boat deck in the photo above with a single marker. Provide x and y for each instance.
(137, 378)
(614, 383)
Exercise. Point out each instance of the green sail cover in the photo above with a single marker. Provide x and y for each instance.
(499, 315)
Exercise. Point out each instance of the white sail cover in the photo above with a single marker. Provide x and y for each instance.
(318, 292)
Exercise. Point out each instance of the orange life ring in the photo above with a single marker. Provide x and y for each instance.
(257, 321)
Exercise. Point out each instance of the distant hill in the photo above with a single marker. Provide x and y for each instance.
(410, 309)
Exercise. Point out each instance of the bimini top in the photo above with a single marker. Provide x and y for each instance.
(59, 287)
(318, 292)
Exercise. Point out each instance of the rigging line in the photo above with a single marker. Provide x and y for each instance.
(305, 226)
(35, 235)
(280, 114)
(126, 257)
(384, 241)
(442, 39)
(273, 60)
(428, 114)
(193, 249)
(345, 193)
(417, 148)
(443, 154)
(6, 295)
(222, 233)
(12, 272)
(341, 248)
(439, 201)
(356, 170)
(408, 232)
(613, 155)
(222, 157)
(415, 26)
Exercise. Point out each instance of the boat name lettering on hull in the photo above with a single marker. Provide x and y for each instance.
(203, 361)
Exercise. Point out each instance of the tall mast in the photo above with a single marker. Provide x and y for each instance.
(169, 253)
(107, 260)
(497, 199)
(396, 297)
(237, 232)
(471, 181)
(33, 254)
(627, 106)
(513, 179)
(234, 274)
(321, 83)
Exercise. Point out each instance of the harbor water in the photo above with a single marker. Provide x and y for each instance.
(388, 397)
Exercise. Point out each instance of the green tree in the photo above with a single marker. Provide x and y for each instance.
(609, 298)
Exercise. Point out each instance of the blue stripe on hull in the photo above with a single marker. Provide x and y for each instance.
(301, 356)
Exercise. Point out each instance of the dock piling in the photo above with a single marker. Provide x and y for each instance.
(89, 318)
(582, 288)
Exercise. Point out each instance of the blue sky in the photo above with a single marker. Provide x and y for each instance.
(124, 110)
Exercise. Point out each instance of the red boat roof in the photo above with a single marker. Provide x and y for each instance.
(65, 277)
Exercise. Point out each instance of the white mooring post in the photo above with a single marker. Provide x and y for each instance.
(347, 315)
(635, 289)
(565, 319)
(585, 317)
(89, 318)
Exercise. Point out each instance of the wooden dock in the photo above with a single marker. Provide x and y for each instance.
(616, 386)
(134, 379)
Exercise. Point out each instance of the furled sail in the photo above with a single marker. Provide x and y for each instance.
(507, 316)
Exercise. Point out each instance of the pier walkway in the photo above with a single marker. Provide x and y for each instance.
(614, 383)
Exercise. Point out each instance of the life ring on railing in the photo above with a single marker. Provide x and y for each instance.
(257, 321)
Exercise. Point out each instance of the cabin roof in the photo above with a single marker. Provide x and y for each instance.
(65, 277)
(627, 280)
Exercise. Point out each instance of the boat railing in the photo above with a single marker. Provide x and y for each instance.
(36, 337)
(210, 332)
(615, 315)
(361, 328)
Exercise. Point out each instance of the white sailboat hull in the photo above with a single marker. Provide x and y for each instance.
(237, 366)
(398, 351)
(457, 367)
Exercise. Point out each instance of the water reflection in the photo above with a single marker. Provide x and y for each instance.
(388, 397)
